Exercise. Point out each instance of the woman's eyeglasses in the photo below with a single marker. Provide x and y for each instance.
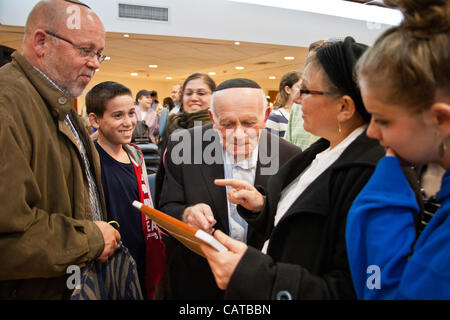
(200, 93)
(307, 91)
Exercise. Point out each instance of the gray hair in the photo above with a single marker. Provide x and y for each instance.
(263, 97)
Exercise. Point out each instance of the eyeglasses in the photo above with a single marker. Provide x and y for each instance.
(199, 93)
(84, 52)
(306, 91)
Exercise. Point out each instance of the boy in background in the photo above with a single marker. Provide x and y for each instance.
(111, 111)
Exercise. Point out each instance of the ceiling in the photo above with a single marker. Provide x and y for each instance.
(178, 57)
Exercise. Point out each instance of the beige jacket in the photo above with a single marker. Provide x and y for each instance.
(45, 215)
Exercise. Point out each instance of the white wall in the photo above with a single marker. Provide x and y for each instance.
(218, 19)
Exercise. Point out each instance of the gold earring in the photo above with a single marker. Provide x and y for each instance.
(339, 127)
(442, 149)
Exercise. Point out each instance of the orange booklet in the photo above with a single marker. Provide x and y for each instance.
(188, 235)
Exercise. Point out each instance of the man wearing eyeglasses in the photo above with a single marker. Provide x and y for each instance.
(52, 208)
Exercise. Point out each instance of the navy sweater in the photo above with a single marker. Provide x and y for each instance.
(121, 189)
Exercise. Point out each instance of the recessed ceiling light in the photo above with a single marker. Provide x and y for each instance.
(237, 43)
(126, 35)
(289, 58)
(212, 73)
(239, 68)
(169, 78)
(107, 58)
(153, 66)
(272, 77)
(134, 74)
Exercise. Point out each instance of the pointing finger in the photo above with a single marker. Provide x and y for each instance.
(238, 184)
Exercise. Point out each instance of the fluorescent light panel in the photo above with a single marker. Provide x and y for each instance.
(336, 8)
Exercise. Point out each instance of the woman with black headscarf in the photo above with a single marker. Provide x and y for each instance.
(303, 212)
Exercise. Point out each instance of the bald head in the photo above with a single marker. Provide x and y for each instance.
(64, 39)
(57, 14)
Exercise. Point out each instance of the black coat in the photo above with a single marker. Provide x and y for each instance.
(306, 257)
(189, 275)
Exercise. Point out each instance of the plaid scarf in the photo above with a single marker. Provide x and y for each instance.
(186, 120)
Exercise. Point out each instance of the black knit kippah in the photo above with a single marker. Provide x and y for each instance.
(339, 60)
(237, 83)
(78, 2)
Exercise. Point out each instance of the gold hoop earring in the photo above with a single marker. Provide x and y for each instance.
(339, 127)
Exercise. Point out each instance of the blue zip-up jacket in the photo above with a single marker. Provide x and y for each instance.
(384, 261)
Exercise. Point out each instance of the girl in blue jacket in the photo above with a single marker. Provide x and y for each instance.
(405, 84)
